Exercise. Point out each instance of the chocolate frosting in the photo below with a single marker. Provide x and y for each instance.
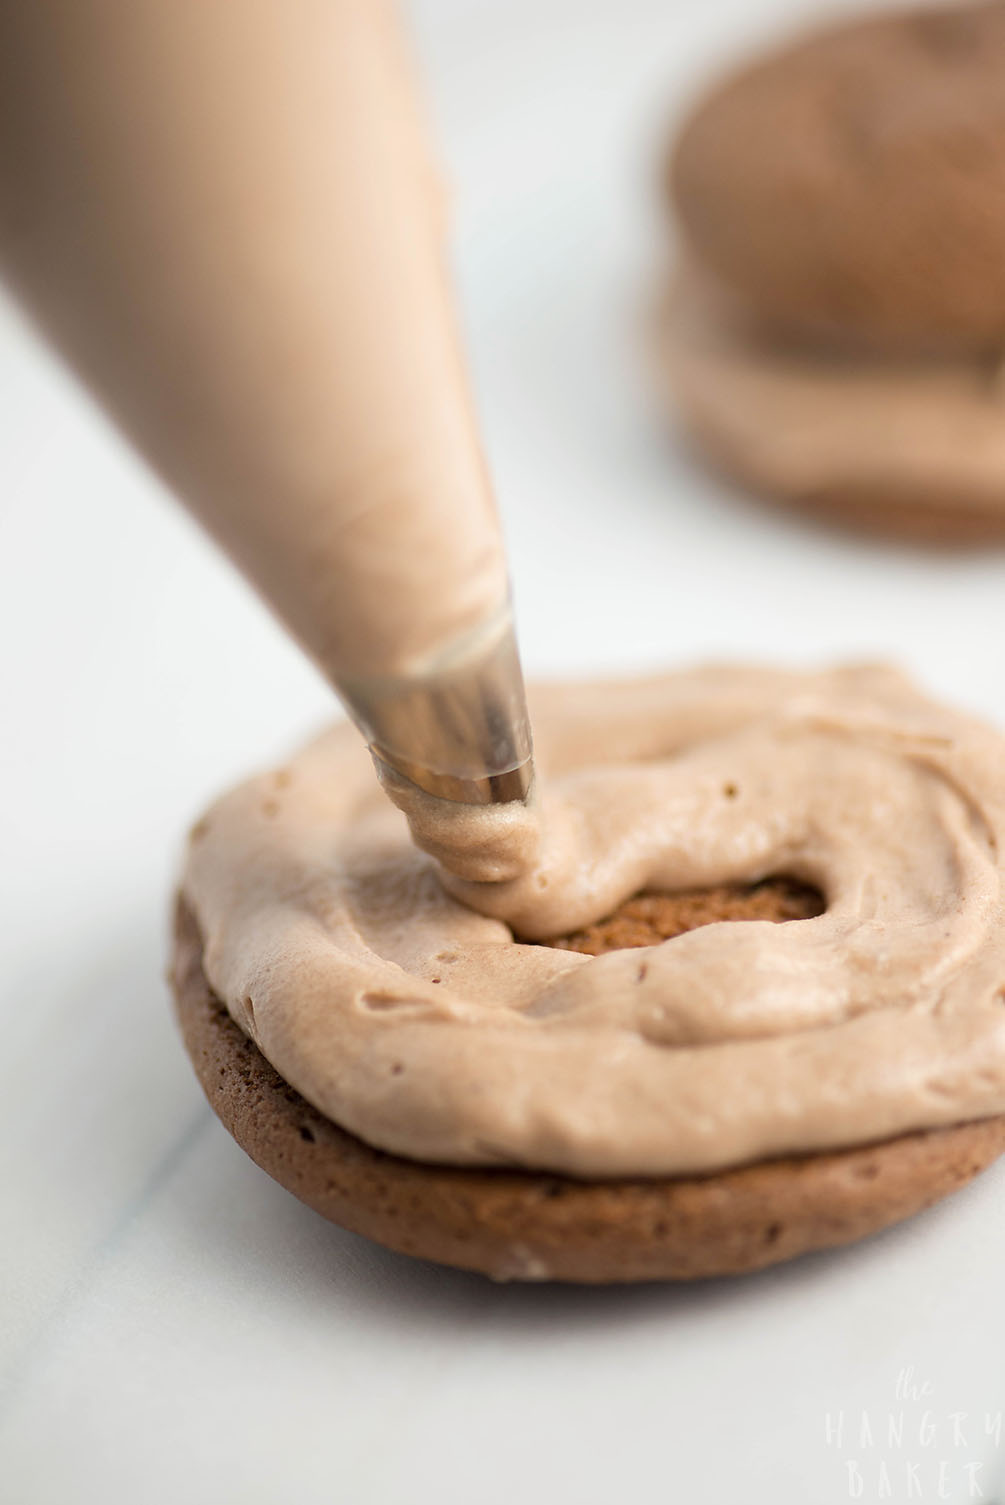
(413, 1017)
(800, 419)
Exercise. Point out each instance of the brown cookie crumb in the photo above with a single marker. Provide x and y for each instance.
(648, 919)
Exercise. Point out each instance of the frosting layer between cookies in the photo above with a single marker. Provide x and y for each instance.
(802, 423)
(413, 1018)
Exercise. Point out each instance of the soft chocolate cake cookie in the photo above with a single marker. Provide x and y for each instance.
(835, 333)
(744, 999)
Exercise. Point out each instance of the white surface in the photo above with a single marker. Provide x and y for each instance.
(174, 1326)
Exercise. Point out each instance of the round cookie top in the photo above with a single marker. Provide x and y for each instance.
(853, 184)
(416, 1019)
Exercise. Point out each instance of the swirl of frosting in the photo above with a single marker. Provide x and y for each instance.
(414, 1017)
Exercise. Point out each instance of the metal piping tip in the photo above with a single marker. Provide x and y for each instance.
(492, 789)
(458, 729)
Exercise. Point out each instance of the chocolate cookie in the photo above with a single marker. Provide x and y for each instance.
(534, 1226)
(853, 184)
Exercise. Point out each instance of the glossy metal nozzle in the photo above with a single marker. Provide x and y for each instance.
(458, 729)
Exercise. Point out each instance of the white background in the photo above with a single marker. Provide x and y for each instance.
(174, 1326)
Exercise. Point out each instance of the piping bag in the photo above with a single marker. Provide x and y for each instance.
(226, 218)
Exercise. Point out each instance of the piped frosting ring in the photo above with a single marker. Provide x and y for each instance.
(413, 1017)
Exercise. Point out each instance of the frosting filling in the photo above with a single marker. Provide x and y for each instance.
(398, 1000)
(800, 420)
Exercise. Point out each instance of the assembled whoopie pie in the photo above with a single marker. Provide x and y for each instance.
(834, 334)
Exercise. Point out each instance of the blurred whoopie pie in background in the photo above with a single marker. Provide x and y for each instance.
(833, 335)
